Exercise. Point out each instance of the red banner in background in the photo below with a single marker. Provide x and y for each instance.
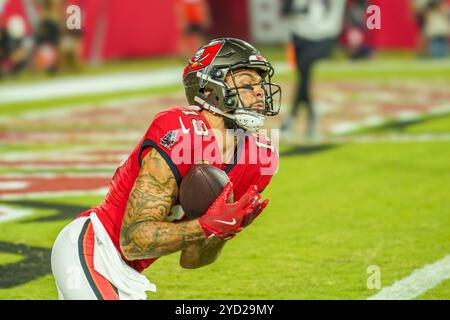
(398, 25)
(143, 28)
(135, 28)
(230, 19)
(139, 28)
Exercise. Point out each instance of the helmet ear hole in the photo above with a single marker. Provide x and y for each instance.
(229, 101)
(205, 91)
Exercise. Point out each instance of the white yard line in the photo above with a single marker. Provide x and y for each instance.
(8, 213)
(419, 282)
(13, 185)
(426, 137)
(394, 138)
(88, 85)
(376, 121)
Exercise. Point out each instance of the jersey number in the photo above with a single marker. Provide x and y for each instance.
(200, 128)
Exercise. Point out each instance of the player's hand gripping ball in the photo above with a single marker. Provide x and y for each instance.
(206, 193)
(200, 187)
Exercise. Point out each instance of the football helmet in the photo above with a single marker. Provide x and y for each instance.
(205, 85)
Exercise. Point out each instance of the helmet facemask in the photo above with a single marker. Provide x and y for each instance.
(251, 117)
(228, 98)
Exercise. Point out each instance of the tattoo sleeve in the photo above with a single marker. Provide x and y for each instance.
(201, 253)
(144, 233)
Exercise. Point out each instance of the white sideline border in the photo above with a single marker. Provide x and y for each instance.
(8, 213)
(375, 121)
(417, 283)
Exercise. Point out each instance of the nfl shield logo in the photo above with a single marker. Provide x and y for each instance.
(169, 139)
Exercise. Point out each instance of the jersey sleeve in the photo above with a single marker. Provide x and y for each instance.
(262, 183)
(167, 134)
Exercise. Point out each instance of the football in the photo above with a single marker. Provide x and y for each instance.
(199, 188)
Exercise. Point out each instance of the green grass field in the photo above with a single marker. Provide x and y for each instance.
(334, 212)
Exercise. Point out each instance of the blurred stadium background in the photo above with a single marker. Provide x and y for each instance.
(371, 190)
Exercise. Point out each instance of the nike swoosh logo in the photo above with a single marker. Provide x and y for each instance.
(183, 128)
(230, 223)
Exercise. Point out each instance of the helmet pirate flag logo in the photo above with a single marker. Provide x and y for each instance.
(202, 58)
(199, 54)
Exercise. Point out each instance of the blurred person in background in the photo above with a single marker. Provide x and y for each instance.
(437, 29)
(17, 46)
(195, 19)
(48, 36)
(70, 50)
(355, 30)
(4, 50)
(314, 26)
(420, 8)
(3, 42)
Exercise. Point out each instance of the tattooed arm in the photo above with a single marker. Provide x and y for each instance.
(201, 253)
(144, 234)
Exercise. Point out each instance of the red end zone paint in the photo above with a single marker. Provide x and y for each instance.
(27, 185)
(58, 164)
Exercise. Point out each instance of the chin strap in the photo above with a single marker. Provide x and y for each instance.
(213, 109)
(245, 119)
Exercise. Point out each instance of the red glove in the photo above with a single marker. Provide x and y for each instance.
(252, 216)
(226, 219)
(247, 220)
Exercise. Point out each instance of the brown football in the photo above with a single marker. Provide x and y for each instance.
(201, 185)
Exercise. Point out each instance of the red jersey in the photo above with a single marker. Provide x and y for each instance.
(183, 137)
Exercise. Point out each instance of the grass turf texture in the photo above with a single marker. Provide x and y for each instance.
(428, 124)
(332, 215)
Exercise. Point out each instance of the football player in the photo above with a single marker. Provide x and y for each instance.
(101, 254)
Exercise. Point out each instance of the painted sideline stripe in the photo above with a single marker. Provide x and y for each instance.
(13, 185)
(54, 194)
(365, 139)
(419, 282)
(376, 121)
(88, 85)
(8, 213)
